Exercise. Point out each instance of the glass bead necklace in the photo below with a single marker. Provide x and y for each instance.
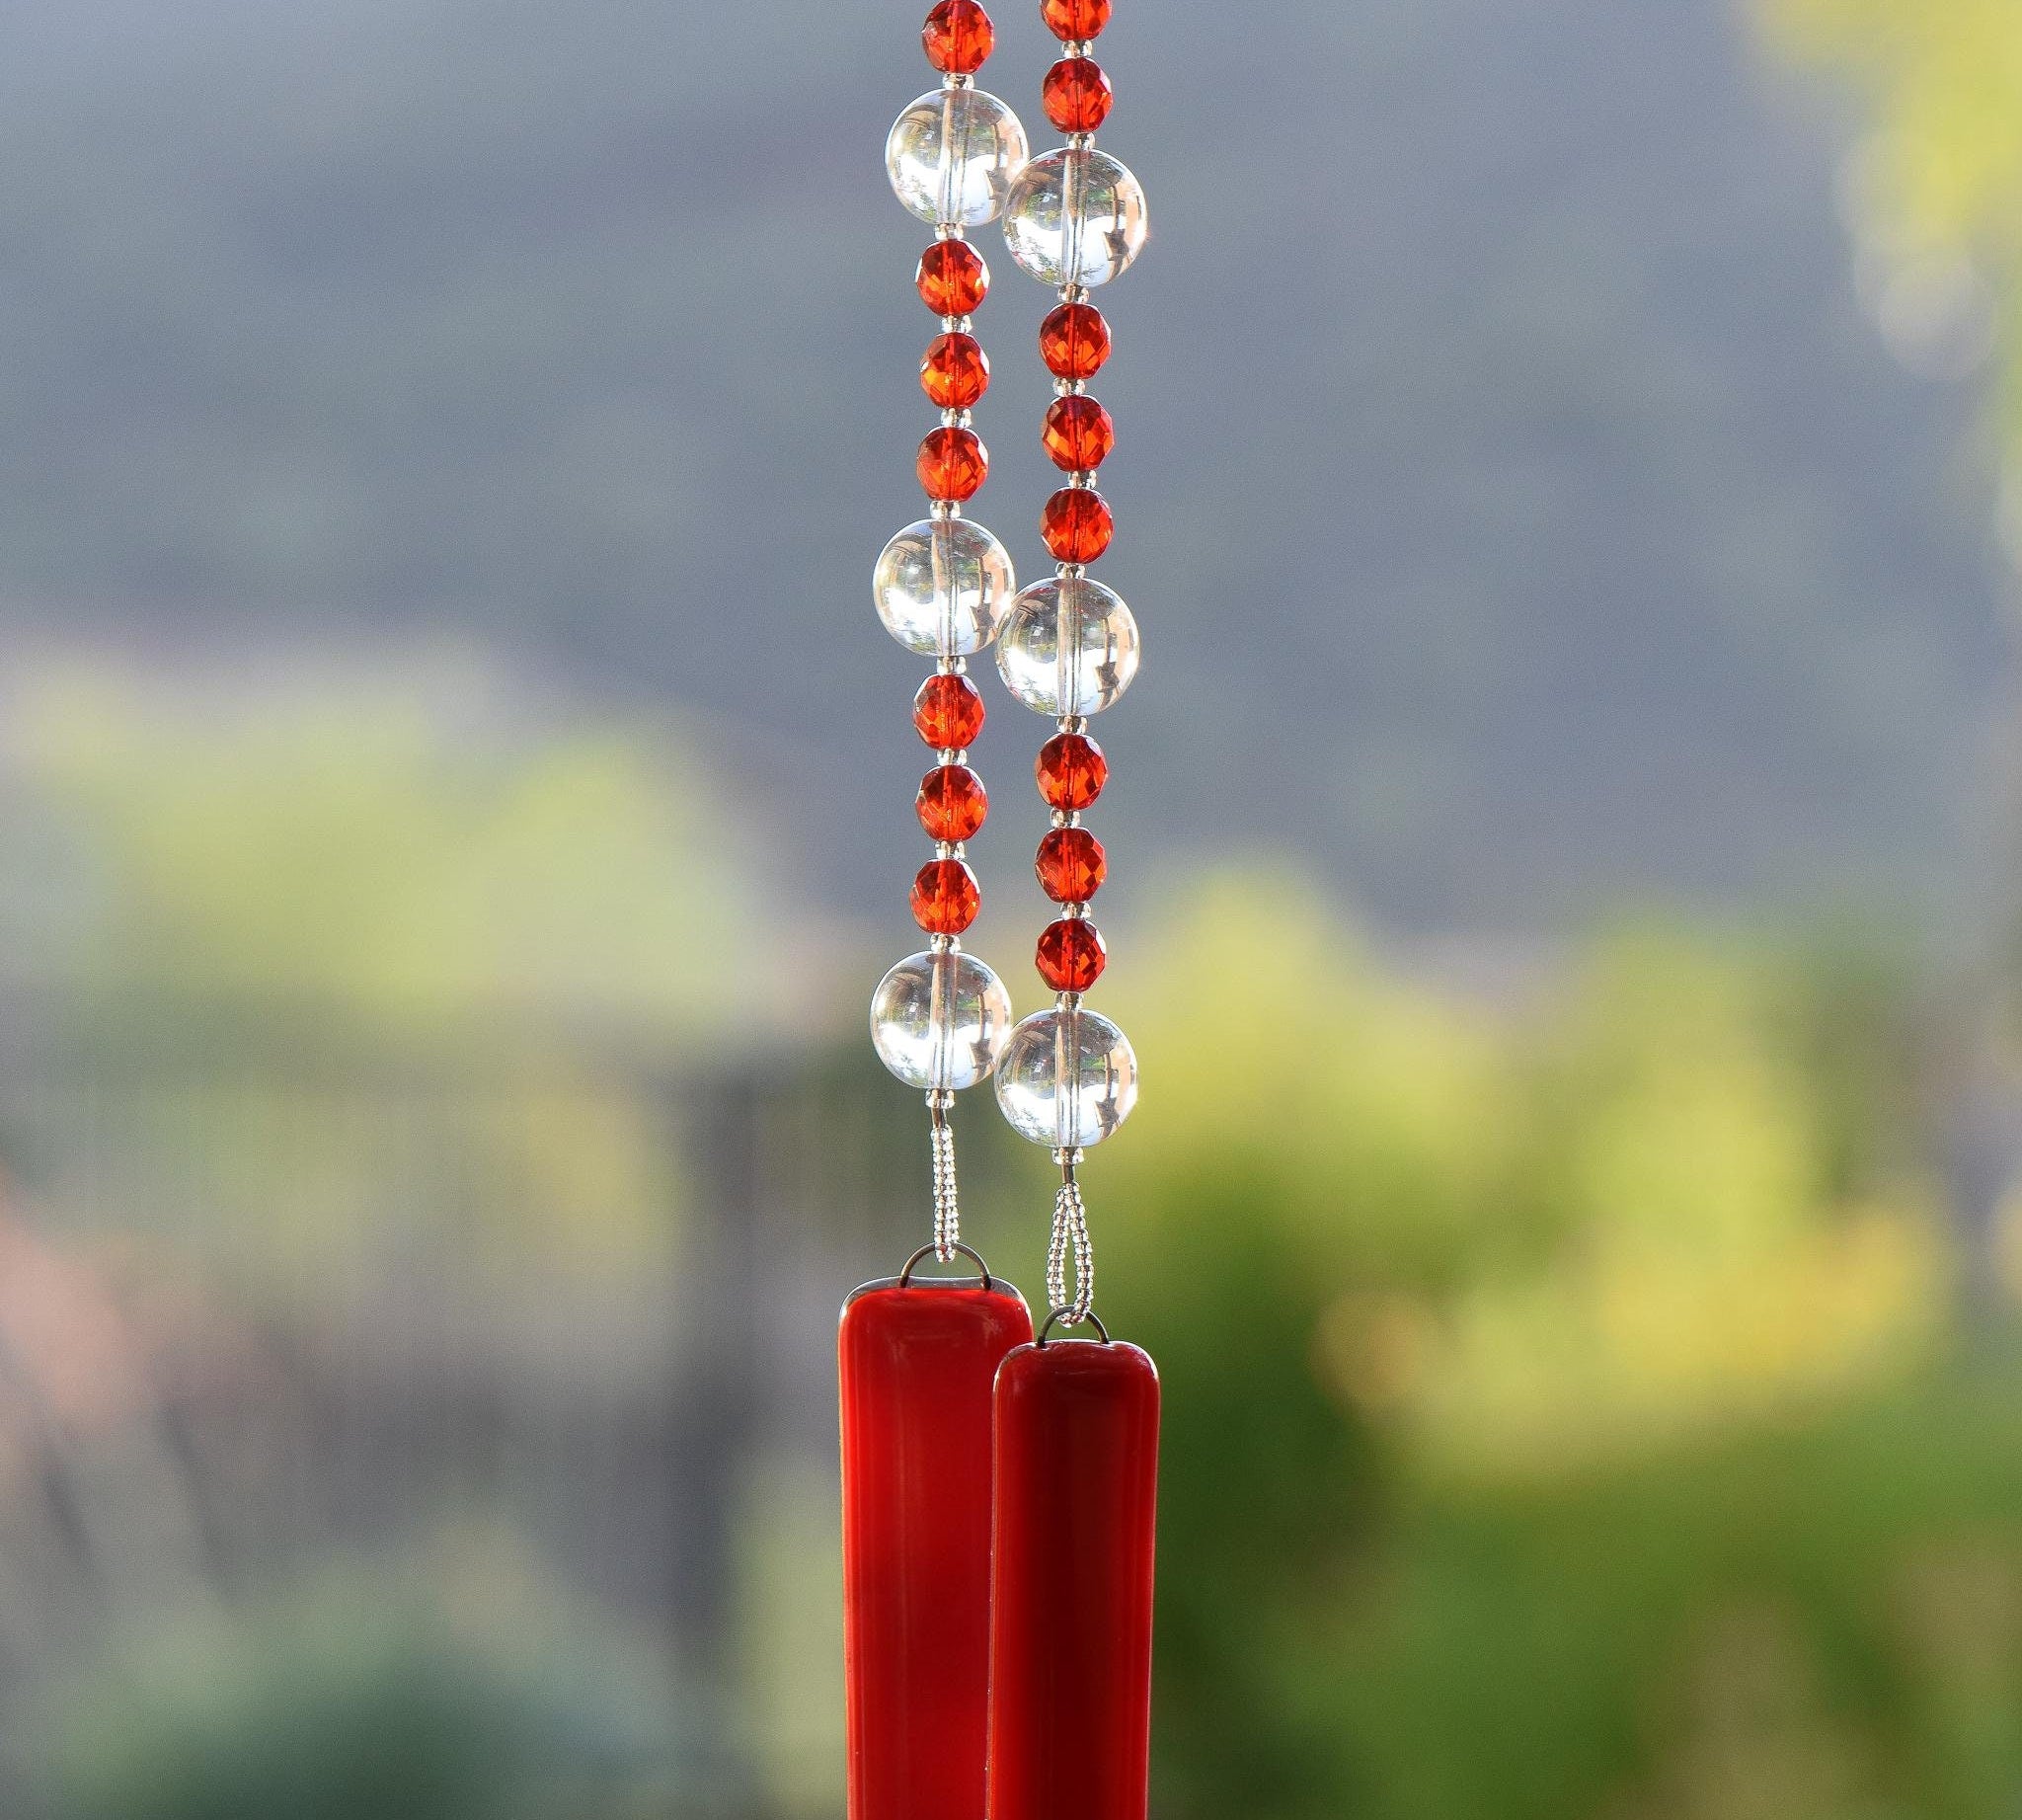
(966, 1693)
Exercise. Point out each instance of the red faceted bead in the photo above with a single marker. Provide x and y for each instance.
(944, 897)
(1070, 865)
(955, 372)
(951, 803)
(1079, 433)
(1076, 525)
(952, 462)
(1068, 20)
(1071, 771)
(952, 279)
(958, 37)
(947, 712)
(1074, 341)
(1071, 955)
(1076, 95)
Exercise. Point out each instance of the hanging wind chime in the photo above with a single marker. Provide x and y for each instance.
(999, 1485)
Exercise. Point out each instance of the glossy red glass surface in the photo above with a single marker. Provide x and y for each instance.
(917, 1366)
(1071, 1642)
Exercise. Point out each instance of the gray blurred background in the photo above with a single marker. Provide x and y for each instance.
(457, 793)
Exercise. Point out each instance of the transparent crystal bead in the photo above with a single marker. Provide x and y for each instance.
(1075, 216)
(939, 1020)
(1068, 1078)
(952, 155)
(943, 587)
(1068, 646)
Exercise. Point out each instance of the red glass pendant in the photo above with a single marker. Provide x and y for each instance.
(917, 1363)
(1070, 1640)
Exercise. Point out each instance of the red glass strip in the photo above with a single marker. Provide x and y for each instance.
(1070, 1643)
(916, 1367)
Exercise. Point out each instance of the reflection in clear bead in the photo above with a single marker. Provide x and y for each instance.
(939, 1020)
(943, 587)
(1068, 646)
(1068, 1078)
(952, 155)
(1075, 216)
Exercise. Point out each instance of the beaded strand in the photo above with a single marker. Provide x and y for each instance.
(1069, 646)
(938, 1018)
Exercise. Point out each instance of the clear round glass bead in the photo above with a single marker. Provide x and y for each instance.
(1068, 646)
(1075, 216)
(1068, 1078)
(943, 587)
(952, 155)
(938, 1020)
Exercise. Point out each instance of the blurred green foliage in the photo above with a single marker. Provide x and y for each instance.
(1938, 188)
(1566, 1411)
(365, 1694)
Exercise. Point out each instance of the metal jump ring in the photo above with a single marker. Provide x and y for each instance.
(969, 1251)
(1091, 1318)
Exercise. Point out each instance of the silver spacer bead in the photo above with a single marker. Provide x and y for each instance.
(949, 850)
(1083, 478)
(944, 509)
(1070, 571)
(945, 944)
(957, 420)
(949, 230)
(939, 1099)
(1080, 142)
(955, 79)
(1072, 723)
(1067, 1001)
(1070, 388)
(1073, 293)
(1074, 913)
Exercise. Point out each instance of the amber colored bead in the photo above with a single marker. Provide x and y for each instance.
(1071, 955)
(1070, 865)
(947, 712)
(1076, 525)
(953, 463)
(1074, 341)
(1071, 771)
(951, 803)
(1077, 95)
(958, 37)
(955, 372)
(1079, 433)
(1068, 20)
(952, 278)
(945, 896)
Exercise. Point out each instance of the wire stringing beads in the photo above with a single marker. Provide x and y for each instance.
(1068, 647)
(953, 154)
(942, 586)
(1068, 1078)
(1075, 1420)
(917, 1355)
(1075, 216)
